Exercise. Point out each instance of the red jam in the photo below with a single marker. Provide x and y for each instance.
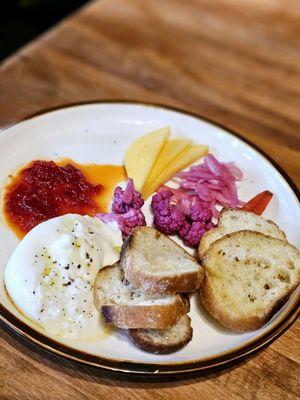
(44, 190)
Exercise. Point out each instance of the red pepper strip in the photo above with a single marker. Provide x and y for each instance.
(258, 203)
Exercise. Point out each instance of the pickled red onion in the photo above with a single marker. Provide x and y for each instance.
(214, 182)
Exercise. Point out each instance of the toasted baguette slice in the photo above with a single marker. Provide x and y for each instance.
(232, 220)
(163, 341)
(248, 276)
(156, 264)
(129, 308)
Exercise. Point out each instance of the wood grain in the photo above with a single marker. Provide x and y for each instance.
(236, 62)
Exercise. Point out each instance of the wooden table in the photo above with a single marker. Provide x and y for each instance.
(236, 62)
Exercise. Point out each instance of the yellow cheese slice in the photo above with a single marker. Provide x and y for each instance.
(142, 154)
(189, 155)
(170, 150)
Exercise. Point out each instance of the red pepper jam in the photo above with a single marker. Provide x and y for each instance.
(44, 190)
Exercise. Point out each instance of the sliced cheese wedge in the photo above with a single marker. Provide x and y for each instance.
(170, 150)
(181, 161)
(142, 154)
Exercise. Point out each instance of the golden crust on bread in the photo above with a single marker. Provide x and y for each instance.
(234, 220)
(176, 271)
(247, 277)
(163, 341)
(129, 308)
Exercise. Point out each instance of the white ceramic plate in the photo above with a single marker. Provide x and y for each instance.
(100, 133)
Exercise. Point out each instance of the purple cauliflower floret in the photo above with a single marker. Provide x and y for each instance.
(126, 221)
(199, 211)
(130, 220)
(187, 215)
(195, 232)
(118, 205)
(126, 199)
(167, 217)
(126, 209)
(185, 227)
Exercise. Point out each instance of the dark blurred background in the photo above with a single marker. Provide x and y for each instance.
(23, 20)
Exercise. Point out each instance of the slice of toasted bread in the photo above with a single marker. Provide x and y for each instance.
(163, 341)
(156, 264)
(248, 276)
(129, 308)
(233, 220)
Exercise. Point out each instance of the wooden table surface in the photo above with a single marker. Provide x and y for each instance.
(234, 61)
